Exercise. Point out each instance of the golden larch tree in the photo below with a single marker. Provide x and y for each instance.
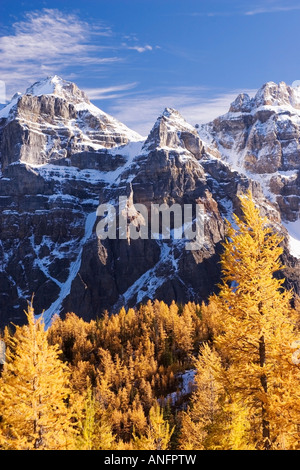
(258, 331)
(34, 392)
(201, 424)
(158, 433)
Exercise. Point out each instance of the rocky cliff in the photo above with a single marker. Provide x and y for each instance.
(61, 157)
(260, 137)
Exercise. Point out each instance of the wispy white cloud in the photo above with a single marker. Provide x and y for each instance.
(272, 9)
(212, 14)
(141, 49)
(267, 6)
(49, 42)
(141, 111)
(109, 92)
(138, 48)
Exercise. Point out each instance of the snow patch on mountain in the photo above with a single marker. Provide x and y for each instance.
(149, 282)
(65, 288)
(62, 173)
(7, 110)
(293, 229)
(186, 387)
(47, 86)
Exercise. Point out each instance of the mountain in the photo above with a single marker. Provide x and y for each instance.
(61, 158)
(53, 121)
(260, 138)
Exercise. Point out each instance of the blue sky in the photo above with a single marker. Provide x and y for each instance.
(136, 57)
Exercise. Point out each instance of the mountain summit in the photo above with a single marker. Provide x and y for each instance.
(270, 94)
(57, 86)
(260, 138)
(54, 120)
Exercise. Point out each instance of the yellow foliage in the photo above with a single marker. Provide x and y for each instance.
(259, 328)
(110, 384)
(35, 393)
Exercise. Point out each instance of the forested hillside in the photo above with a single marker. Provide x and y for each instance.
(220, 375)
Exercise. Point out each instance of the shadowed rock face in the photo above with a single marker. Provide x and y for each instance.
(61, 157)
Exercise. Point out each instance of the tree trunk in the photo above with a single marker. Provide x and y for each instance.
(264, 384)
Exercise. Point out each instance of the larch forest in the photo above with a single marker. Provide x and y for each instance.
(116, 383)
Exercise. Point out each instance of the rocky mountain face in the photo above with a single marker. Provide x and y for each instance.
(260, 137)
(61, 157)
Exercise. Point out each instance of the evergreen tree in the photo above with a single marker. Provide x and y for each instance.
(158, 433)
(258, 331)
(34, 392)
(202, 423)
(87, 423)
(95, 429)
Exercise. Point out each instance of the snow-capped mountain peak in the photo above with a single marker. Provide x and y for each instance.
(170, 131)
(270, 94)
(53, 85)
(57, 86)
(260, 138)
(57, 121)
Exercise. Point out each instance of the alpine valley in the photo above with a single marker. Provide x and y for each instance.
(61, 157)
